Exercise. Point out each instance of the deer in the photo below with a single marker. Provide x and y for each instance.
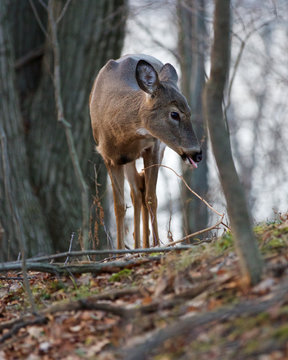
(136, 110)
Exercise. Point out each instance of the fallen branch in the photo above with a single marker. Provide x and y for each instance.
(111, 267)
(110, 252)
(108, 295)
(171, 302)
(90, 304)
(20, 324)
(85, 303)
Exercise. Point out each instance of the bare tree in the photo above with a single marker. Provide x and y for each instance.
(192, 44)
(251, 264)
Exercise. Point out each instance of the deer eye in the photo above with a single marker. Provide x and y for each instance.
(175, 115)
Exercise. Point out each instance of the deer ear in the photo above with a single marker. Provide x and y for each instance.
(168, 73)
(146, 77)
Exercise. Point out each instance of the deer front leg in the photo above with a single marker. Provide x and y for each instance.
(116, 174)
(152, 157)
(145, 214)
(136, 182)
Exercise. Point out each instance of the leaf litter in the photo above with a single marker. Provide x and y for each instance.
(154, 305)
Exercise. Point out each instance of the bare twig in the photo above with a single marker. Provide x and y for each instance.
(65, 7)
(188, 187)
(203, 200)
(157, 42)
(29, 57)
(239, 56)
(37, 17)
(43, 4)
(198, 232)
(70, 247)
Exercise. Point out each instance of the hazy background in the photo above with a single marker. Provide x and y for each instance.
(257, 110)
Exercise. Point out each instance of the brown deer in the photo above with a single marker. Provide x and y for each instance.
(136, 110)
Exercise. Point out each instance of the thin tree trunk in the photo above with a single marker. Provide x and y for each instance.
(250, 261)
(191, 45)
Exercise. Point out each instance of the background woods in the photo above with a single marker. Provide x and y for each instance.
(225, 296)
(38, 186)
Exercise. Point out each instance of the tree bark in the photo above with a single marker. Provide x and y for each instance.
(89, 33)
(250, 261)
(191, 44)
(16, 193)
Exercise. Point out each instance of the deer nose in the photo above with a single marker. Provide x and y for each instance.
(197, 156)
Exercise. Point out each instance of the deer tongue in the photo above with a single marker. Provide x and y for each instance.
(192, 162)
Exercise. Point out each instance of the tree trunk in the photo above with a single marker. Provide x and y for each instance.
(89, 33)
(15, 188)
(250, 262)
(191, 45)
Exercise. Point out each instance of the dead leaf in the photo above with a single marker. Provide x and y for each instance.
(161, 286)
(86, 315)
(213, 303)
(3, 355)
(264, 286)
(147, 300)
(75, 328)
(36, 331)
(45, 346)
(30, 357)
(16, 286)
(84, 279)
(95, 349)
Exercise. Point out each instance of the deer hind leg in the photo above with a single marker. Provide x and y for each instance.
(116, 174)
(152, 157)
(136, 182)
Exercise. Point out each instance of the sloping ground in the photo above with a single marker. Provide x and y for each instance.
(183, 305)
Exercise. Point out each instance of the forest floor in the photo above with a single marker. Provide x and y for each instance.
(188, 304)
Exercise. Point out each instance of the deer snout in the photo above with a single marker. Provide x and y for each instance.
(192, 157)
(197, 156)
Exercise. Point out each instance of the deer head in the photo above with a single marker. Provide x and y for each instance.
(166, 113)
